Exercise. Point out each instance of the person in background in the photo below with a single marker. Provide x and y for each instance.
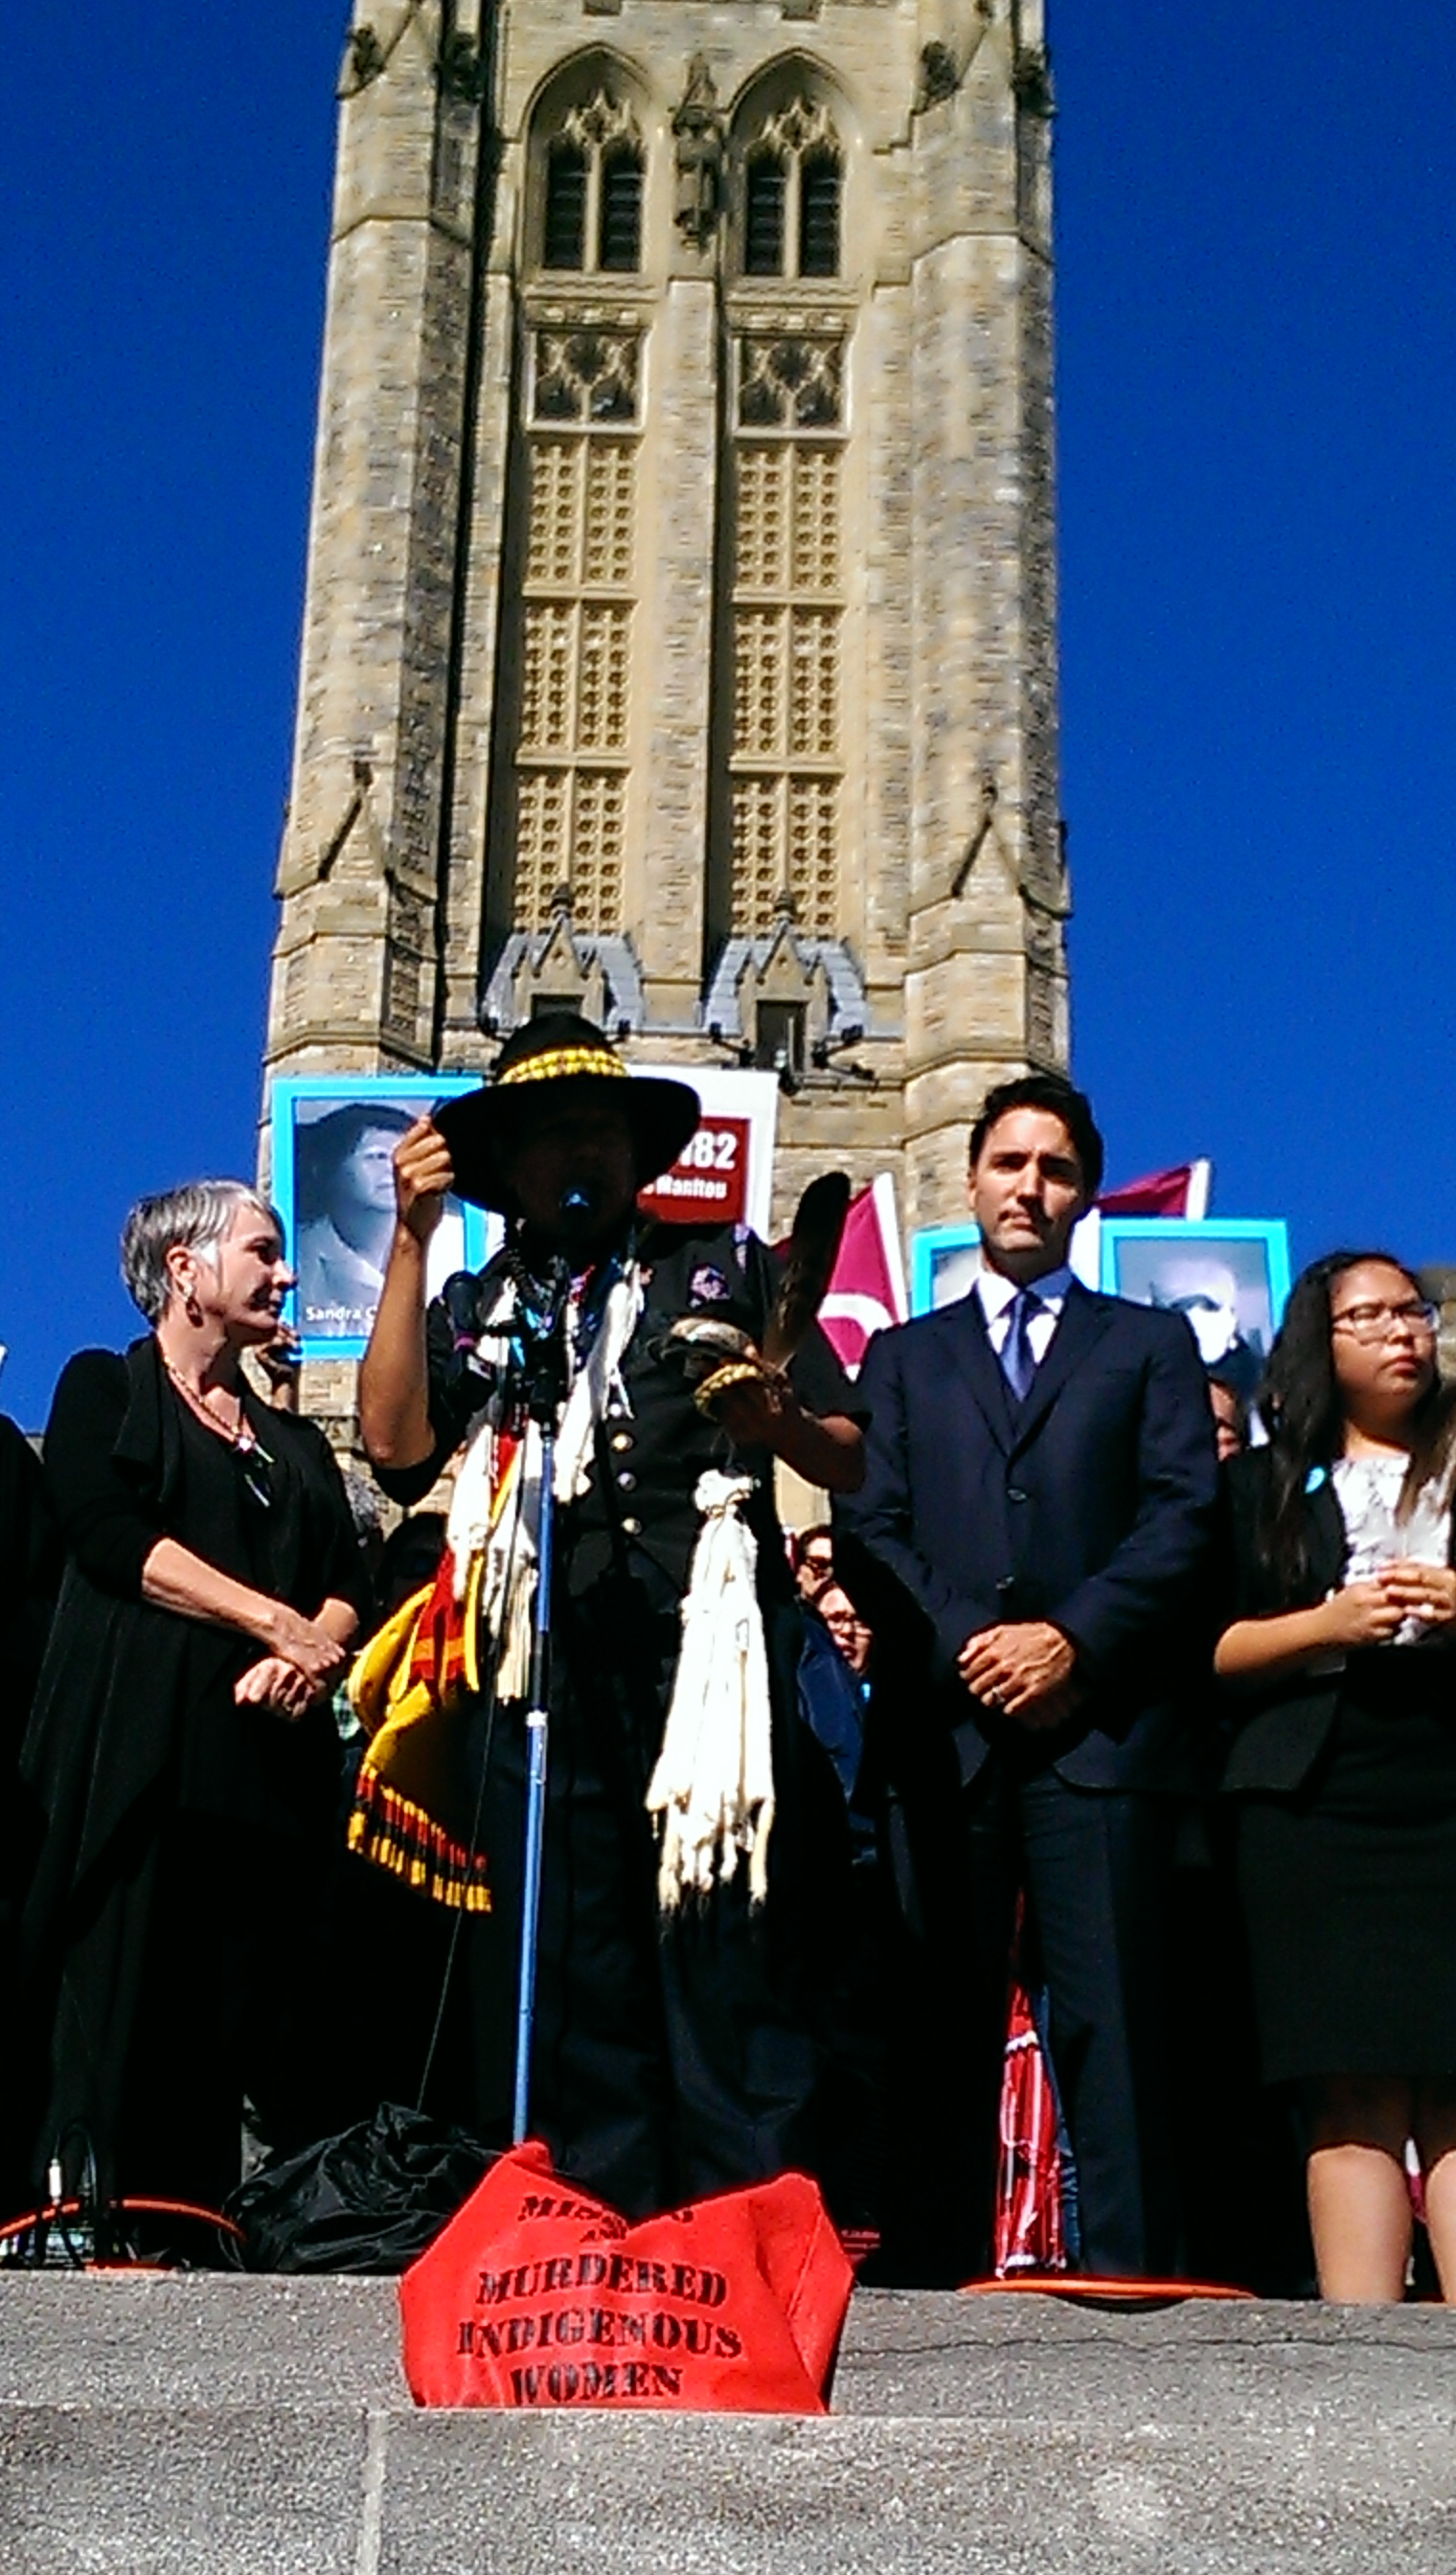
(30, 1573)
(835, 1689)
(1032, 1547)
(182, 1749)
(1340, 1669)
(812, 1555)
(1230, 1419)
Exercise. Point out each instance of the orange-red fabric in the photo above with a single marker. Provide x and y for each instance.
(537, 2294)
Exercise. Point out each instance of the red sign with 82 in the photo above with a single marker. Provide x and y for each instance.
(708, 1180)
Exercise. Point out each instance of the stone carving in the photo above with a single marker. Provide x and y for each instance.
(586, 375)
(803, 123)
(1032, 80)
(789, 382)
(462, 67)
(699, 130)
(940, 74)
(599, 120)
(367, 53)
(363, 60)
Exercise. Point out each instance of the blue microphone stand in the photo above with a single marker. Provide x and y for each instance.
(545, 1390)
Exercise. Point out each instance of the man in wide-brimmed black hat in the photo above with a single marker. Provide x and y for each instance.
(676, 2047)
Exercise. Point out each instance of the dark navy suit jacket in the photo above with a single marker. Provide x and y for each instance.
(1091, 1504)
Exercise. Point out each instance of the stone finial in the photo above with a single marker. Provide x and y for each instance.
(699, 127)
(1032, 79)
(940, 74)
(363, 60)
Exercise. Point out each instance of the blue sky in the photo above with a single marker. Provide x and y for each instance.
(1256, 305)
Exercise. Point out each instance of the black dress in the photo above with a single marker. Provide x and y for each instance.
(171, 1923)
(669, 2060)
(1347, 1838)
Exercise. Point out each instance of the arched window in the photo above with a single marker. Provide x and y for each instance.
(818, 214)
(619, 245)
(793, 186)
(766, 183)
(565, 243)
(591, 203)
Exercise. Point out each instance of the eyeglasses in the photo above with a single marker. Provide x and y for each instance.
(1382, 1323)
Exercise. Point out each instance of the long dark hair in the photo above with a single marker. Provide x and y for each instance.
(1299, 1403)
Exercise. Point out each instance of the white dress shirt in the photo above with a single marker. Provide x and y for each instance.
(998, 1295)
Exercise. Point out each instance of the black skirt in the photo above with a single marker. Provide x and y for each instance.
(1349, 1887)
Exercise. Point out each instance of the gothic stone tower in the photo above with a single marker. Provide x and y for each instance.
(680, 635)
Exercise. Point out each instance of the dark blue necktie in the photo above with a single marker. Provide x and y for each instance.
(1018, 1360)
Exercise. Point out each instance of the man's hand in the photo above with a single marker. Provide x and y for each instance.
(423, 1173)
(1025, 1669)
(753, 1412)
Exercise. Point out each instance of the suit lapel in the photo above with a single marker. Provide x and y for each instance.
(965, 1337)
(1328, 1546)
(1084, 1321)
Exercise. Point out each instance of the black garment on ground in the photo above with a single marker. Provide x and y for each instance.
(1346, 1833)
(368, 2200)
(669, 2060)
(147, 1932)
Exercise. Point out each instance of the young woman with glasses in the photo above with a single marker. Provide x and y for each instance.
(1340, 1666)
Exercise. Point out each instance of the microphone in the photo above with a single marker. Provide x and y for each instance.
(579, 1210)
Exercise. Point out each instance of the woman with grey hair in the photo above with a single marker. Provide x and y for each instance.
(181, 1747)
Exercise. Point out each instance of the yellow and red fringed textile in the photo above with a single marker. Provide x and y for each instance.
(413, 1802)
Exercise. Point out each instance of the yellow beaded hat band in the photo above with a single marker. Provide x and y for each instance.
(566, 1063)
(560, 1048)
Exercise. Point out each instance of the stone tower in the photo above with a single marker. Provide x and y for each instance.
(679, 633)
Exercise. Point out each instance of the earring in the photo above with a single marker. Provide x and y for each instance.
(192, 1307)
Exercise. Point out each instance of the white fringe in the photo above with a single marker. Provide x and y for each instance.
(713, 1789)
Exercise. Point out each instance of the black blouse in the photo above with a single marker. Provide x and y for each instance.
(274, 1518)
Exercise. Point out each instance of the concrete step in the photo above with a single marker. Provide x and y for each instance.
(149, 2424)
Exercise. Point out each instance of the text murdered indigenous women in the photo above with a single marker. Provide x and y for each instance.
(533, 2296)
(671, 2320)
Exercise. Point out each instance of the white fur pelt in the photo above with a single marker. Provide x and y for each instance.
(713, 1789)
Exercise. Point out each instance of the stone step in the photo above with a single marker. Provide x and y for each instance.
(149, 2424)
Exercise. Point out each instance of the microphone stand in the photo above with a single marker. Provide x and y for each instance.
(544, 1388)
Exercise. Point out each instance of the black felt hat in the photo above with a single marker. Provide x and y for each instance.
(561, 1057)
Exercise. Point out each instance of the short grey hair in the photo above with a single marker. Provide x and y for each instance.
(195, 1218)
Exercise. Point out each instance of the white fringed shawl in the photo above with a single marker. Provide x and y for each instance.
(713, 1789)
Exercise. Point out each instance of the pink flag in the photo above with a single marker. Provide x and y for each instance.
(1181, 1192)
(868, 1291)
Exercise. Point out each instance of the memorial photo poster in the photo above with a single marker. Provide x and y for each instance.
(334, 1138)
(945, 1259)
(1229, 1276)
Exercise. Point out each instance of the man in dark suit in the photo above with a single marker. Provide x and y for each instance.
(1030, 1545)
